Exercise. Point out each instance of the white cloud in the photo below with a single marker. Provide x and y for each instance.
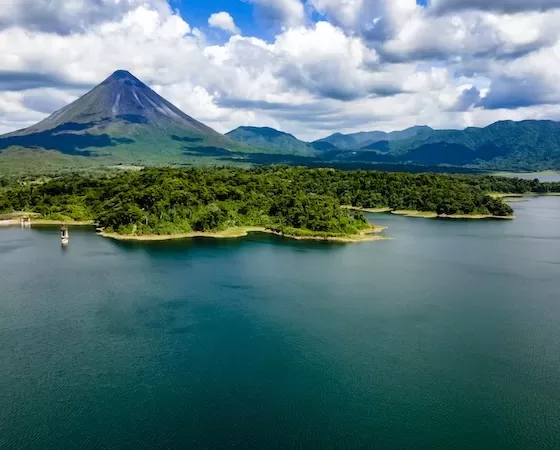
(142, 40)
(223, 21)
(527, 81)
(347, 13)
(287, 13)
(374, 20)
(485, 35)
(502, 6)
(381, 64)
(66, 16)
(324, 61)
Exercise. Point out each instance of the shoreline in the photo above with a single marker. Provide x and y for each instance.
(370, 210)
(76, 223)
(524, 175)
(506, 195)
(16, 222)
(431, 214)
(368, 235)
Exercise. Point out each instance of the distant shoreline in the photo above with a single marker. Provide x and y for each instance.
(525, 175)
(506, 195)
(16, 222)
(431, 214)
(369, 235)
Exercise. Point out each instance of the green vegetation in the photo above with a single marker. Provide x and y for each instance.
(291, 200)
(519, 146)
(20, 161)
(270, 140)
(364, 139)
(510, 185)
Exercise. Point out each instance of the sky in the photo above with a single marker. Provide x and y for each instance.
(307, 67)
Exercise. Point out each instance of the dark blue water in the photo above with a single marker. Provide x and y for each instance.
(446, 337)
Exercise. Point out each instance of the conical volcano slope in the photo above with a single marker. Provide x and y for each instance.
(122, 119)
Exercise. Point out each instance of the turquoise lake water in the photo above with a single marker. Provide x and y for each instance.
(447, 336)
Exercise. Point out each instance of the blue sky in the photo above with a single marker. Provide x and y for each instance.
(198, 12)
(308, 67)
(242, 11)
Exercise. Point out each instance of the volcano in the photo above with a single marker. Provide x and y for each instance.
(124, 120)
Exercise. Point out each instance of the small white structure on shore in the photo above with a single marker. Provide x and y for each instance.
(25, 222)
(64, 235)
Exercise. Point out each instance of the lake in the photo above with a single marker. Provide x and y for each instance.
(544, 177)
(447, 336)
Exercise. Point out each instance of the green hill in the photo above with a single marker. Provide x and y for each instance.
(363, 139)
(508, 145)
(270, 139)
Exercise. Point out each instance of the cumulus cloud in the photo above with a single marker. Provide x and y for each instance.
(501, 6)
(513, 93)
(467, 98)
(143, 40)
(46, 101)
(223, 21)
(66, 16)
(528, 81)
(346, 13)
(286, 13)
(21, 81)
(383, 64)
(421, 36)
(324, 61)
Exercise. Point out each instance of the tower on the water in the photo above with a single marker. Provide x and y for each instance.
(64, 235)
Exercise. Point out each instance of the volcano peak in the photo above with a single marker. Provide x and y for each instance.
(120, 74)
(123, 76)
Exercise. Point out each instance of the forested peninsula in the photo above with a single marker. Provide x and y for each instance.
(292, 201)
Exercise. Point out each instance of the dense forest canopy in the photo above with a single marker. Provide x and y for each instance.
(290, 199)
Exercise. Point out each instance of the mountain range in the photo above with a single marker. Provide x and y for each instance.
(123, 121)
(272, 140)
(365, 138)
(505, 145)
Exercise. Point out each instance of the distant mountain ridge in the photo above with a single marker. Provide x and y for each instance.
(504, 145)
(509, 145)
(271, 139)
(286, 143)
(365, 138)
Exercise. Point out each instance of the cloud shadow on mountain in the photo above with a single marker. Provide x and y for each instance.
(65, 139)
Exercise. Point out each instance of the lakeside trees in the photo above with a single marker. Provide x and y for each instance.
(168, 201)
